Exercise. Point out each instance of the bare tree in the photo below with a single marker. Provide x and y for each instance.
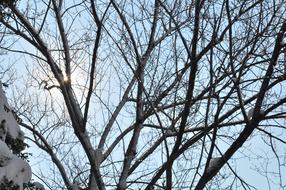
(151, 94)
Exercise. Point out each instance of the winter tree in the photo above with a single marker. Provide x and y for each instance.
(185, 94)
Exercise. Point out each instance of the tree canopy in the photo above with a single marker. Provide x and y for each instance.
(149, 94)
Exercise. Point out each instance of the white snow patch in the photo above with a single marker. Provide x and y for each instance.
(234, 79)
(213, 164)
(75, 186)
(169, 131)
(39, 186)
(5, 154)
(16, 170)
(251, 112)
(98, 155)
(6, 114)
(12, 168)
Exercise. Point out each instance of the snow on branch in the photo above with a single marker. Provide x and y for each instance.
(213, 164)
(14, 171)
